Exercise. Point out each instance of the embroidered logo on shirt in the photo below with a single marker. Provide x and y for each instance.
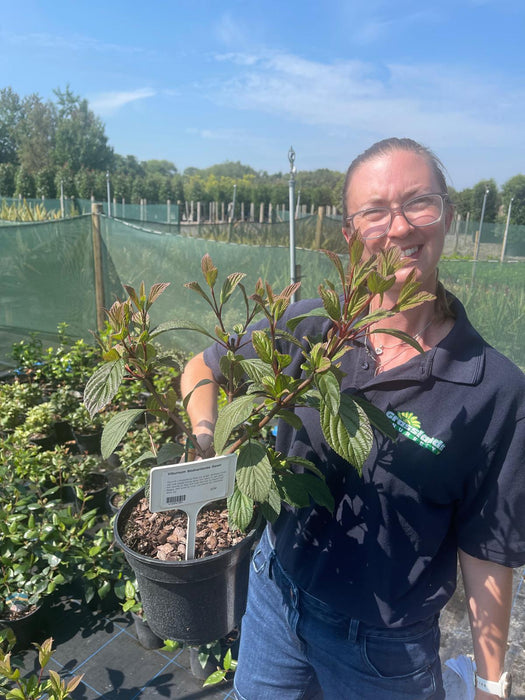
(409, 425)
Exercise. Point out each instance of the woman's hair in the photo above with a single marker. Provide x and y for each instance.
(443, 302)
(386, 146)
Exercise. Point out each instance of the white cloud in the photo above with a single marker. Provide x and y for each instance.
(74, 42)
(436, 103)
(109, 102)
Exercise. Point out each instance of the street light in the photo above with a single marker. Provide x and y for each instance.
(291, 207)
(481, 223)
(504, 245)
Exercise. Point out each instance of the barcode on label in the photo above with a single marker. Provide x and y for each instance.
(175, 499)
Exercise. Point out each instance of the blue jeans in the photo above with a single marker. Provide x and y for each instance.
(294, 647)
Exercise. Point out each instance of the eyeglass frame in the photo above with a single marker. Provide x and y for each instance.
(399, 210)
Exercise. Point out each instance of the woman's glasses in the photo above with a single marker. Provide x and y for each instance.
(425, 210)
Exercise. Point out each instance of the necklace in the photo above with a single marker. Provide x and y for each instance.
(381, 365)
(379, 349)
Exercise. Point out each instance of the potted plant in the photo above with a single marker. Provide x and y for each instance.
(258, 392)
(14, 686)
(37, 542)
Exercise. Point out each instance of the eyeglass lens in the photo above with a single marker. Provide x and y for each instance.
(420, 211)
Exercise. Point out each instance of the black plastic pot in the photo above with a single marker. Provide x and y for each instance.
(28, 628)
(147, 638)
(88, 442)
(194, 601)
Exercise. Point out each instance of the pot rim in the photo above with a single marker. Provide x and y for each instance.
(208, 561)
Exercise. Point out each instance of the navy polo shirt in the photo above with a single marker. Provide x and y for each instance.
(454, 478)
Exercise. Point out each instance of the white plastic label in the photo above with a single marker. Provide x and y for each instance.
(176, 486)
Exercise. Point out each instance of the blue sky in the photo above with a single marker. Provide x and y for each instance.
(199, 82)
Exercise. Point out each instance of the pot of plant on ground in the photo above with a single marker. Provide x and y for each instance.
(37, 540)
(128, 593)
(41, 683)
(258, 392)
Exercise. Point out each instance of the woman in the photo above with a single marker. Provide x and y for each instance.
(346, 605)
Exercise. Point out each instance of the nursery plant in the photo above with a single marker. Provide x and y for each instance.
(36, 685)
(259, 391)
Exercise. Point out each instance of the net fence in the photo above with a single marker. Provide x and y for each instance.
(47, 276)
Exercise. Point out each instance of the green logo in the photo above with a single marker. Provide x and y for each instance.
(409, 425)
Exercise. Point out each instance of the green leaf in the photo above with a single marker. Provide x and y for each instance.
(377, 417)
(330, 391)
(209, 270)
(291, 418)
(336, 260)
(155, 291)
(232, 415)
(103, 385)
(408, 339)
(262, 345)
(271, 508)
(292, 490)
(189, 394)
(349, 432)
(214, 678)
(180, 325)
(254, 471)
(116, 428)
(318, 490)
(294, 322)
(331, 302)
(169, 452)
(229, 285)
(240, 510)
(255, 368)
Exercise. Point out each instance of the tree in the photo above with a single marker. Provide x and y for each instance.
(7, 179)
(491, 204)
(514, 188)
(80, 138)
(10, 115)
(159, 167)
(24, 183)
(36, 134)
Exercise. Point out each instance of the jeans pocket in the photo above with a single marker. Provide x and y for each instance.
(400, 655)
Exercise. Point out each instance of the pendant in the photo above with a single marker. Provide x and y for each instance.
(378, 350)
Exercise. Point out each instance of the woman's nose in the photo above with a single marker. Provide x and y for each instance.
(399, 225)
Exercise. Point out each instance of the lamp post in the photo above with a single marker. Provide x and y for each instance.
(291, 207)
(504, 244)
(109, 192)
(476, 251)
(62, 198)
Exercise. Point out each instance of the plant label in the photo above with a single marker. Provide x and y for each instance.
(175, 486)
(189, 486)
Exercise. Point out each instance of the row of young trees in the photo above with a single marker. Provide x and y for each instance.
(49, 146)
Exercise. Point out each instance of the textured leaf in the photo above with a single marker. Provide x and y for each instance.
(156, 290)
(103, 385)
(330, 391)
(209, 270)
(229, 417)
(291, 418)
(262, 345)
(180, 325)
(271, 508)
(292, 490)
(116, 428)
(336, 260)
(169, 452)
(331, 302)
(240, 510)
(255, 369)
(294, 322)
(377, 418)
(254, 471)
(229, 285)
(349, 433)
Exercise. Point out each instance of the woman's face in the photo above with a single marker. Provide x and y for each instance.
(389, 181)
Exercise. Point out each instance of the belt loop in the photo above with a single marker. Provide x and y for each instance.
(258, 567)
(353, 630)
